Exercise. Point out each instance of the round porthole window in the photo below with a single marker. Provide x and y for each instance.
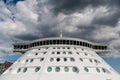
(97, 69)
(51, 59)
(81, 59)
(37, 69)
(49, 69)
(86, 69)
(26, 60)
(58, 52)
(66, 69)
(58, 59)
(31, 60)
(25, 69)
(72, 59)
(65, 59)
(74, 69)
(64, 52)
(90, 60)
(57, 69)
(103, 70)
(18, 70)
(69, 52)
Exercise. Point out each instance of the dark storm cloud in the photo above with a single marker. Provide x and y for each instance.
(27, 37)
(70, 6)
(110, 20)
(50, 29)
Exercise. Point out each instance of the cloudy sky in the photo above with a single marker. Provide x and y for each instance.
(94, 20)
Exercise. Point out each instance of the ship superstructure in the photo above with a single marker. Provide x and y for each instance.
(60, 58)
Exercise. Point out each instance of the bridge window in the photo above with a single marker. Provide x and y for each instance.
(80, 43)
(77, 42)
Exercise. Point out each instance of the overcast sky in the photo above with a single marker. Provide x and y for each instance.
(94, 20)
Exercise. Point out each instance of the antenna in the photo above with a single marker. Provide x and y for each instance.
(61, 33)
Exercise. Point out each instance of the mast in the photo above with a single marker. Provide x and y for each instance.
(61, 34)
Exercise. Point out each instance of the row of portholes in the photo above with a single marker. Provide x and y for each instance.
(40, 53)
(82, 53)
(43, 48)
(43, 53)
(31, 60)
(75, 69)
(26, 69)
(62, 52)
(72, 60)
(67, 48)
(61, 47)
(62, 59)
(68, 52)
(97, 69)
(66, 69)
(90, 60)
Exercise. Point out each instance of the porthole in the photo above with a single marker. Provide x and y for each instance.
(25, 69)
(41, 59)
(72, 59)
(58, 52)
(58, 59)
(77, 53)
(51, 59)
(81, 59)
(86, 69)
(85, 54)
(63, 47)
(74, 69)
(57, 69)
(37, 69)
(66, 69)
(96, 61)
(68, 47)
(103, 70)
(36, 53)
(97, 69)
(18, 70)
(53, 52)
(64, 52)
(44, 52)
(65, 59)
(90, 60)
(26, 60)
(69, 52)
(49, 69)
(31, 60)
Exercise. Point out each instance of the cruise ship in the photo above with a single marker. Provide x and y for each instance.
(60, 58)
